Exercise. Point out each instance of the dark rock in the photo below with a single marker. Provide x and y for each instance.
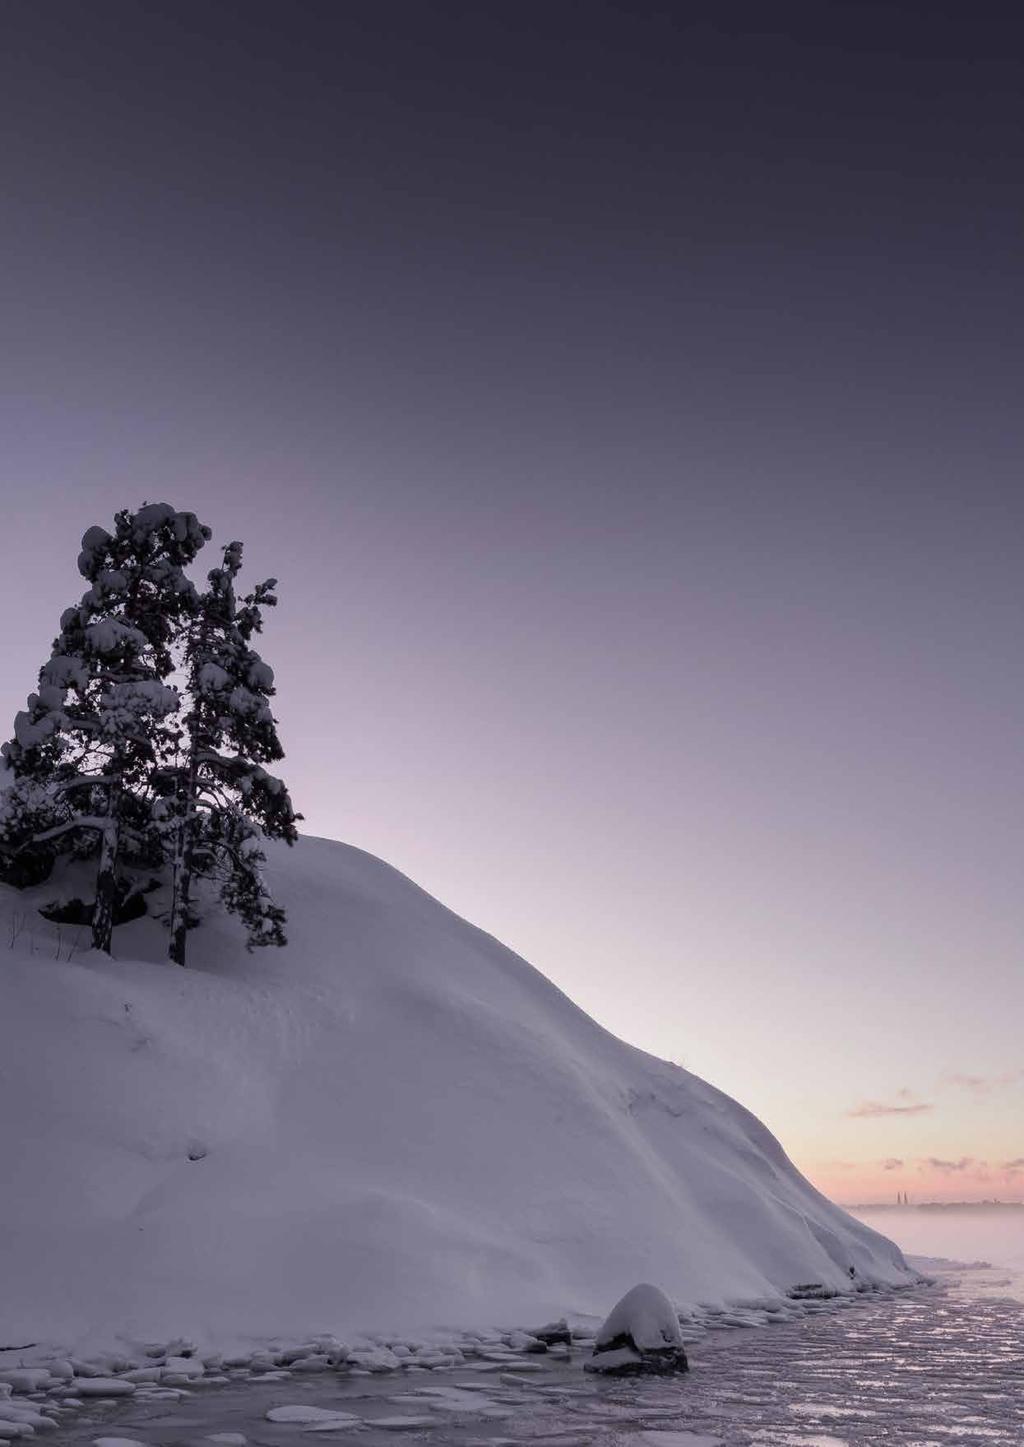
(555, 1333)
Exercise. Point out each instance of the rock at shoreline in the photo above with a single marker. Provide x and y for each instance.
(640, 1337)
(556, 1333)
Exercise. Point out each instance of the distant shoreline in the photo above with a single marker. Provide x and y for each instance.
(937, 1206)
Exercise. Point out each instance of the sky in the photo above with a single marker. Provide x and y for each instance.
(627, 398)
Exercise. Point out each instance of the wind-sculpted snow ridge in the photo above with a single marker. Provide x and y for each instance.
(392, 1122)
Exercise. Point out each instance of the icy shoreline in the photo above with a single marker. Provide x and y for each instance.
(41, 1387)
(927, 1364)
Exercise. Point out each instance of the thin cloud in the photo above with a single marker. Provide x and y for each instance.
(983, 1084)
(977, 1084)
(963, 1164)
(893, 1163)
(1017, 1164)
(868, 1109)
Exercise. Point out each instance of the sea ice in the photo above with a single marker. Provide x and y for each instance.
(301, 1413)
(401, 1424)
(104, 1387)
(670, 1438)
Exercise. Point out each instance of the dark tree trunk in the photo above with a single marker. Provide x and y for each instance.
(106, 874)
(184, 853)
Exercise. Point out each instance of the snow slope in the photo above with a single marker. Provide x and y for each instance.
(394, 1121)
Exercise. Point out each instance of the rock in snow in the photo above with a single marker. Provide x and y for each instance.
(556, 1333)
(640, 1336)
(406, 1124)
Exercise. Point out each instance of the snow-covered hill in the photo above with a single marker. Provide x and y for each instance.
(393, 1121)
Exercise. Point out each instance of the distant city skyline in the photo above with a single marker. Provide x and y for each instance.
(971, 1205)
(627, 400)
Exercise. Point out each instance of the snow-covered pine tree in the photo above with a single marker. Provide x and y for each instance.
(225, 800)
(83, 756)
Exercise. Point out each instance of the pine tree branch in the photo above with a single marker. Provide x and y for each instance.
(84, 781)
(87, 821)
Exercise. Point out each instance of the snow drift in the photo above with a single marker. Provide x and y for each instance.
(393, 1121)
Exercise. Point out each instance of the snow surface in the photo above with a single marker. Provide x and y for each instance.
(395, 1121)
(646, 1316)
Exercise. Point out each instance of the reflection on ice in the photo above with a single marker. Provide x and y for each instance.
(930, 1366)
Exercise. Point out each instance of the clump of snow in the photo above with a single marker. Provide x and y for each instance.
(261, 675)
(212, 678)
(31, 732)
(108, 635)
(94, 545)
(404, 1124)
(63, 672)
(644, 1315)
(151, 516)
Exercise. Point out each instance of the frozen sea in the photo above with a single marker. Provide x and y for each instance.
(935, 1365)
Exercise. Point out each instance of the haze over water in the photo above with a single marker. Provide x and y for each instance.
(960, 1234)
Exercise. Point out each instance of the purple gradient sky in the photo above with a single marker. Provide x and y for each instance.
(629, 406)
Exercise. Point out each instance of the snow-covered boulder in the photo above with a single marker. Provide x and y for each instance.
(641, 1335)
